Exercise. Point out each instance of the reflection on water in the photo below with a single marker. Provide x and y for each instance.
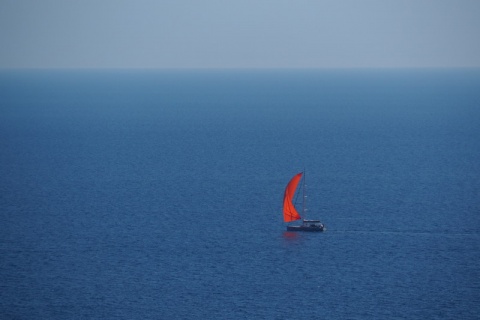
(289, 235)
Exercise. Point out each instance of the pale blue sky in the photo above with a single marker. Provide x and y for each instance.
(239, 34)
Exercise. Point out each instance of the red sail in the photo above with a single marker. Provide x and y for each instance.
(289, 211)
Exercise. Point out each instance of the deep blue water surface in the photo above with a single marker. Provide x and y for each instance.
(157, 194)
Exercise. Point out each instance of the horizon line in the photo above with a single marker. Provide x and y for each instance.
(39, 68)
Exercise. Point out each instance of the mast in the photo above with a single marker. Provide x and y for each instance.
(304, 197)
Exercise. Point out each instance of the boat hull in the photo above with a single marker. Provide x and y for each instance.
(306, 228)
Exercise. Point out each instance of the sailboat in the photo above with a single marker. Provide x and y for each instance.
(290, 213)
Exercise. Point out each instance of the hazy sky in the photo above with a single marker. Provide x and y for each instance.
(241, 33)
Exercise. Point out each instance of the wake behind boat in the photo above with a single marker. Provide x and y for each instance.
(290, 213)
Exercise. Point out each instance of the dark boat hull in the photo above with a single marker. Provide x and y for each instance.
(306, 228)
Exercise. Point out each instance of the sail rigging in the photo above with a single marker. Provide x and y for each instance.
(289, 211)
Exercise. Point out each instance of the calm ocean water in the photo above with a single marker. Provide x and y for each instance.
(157, 194)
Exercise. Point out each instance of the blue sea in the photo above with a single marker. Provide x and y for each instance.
(157, 194)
